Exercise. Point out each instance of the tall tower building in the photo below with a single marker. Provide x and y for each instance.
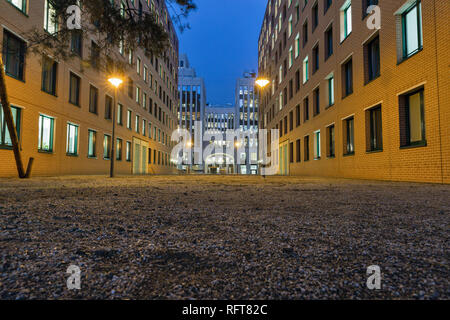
(246, 111)
(192, 96)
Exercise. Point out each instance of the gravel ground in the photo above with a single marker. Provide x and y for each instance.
(222, 237)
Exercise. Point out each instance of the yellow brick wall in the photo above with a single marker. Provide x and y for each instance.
(425, 164)
(29, 97)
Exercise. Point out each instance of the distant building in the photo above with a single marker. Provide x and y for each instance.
(246, 109)
(192, 104)
(219, 119)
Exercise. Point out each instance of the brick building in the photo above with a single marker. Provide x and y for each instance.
(354, 101)
(63, 111)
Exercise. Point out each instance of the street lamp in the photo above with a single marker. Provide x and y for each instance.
(115, 82)
(262, 83)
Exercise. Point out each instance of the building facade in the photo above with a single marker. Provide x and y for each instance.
(247, 116)
(219, 119)
(192, 97)
(63, 110)
(353, 100)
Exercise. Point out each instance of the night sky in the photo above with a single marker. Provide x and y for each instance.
(222, 43)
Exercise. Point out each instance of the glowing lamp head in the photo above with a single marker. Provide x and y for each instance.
(116, 82)
(262, 82)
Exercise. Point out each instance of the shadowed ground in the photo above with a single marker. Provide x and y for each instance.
(209, 237)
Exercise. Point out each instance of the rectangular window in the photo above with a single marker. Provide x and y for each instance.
(50, 19)
(331, 153)
(412, 119)
(108, 107)
(305, 70)
(315, 16)
(374, 129)
(107, 147)
(306, 148)
(93, 99)
(316, 58)
(349, 136)
(119, 114)
(316, 95)
(128, 151)
(5, 137)
(92, 144)
(129, 119)
(297, 115)
(19, 4)
(305, 33)
(49, 72)
(329, 42)
(306, 109)
(298, 151)
(297, 80)
(412, 30)
(317, 150)
(137, 124)
(45, 140)
(14, 50)
(72, 140)
(330, 83)
(372, 56)
(76, 42)
(347, 78)
(74, 89)
(346, 20)
(119, 149)
(327, 5)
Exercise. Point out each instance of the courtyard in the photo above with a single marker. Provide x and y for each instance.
(222, 237)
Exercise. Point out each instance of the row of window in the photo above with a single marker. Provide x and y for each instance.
(411, 124)
(411, 26)
(46, 137)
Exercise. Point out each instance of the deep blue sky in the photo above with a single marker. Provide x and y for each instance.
(222, 43)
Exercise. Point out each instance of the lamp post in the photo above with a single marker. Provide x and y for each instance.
(115, 82)
(262, 83)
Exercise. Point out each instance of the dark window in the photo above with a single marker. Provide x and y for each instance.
(315, 16)
(372, 52)
(291, 121)
(305, 33)
(349, 130)
(285, 125)
(306, 109)
(14, 50)
(297, 81)
(93, 100)
(298, 152)
(330, 142)
(108, 107)
(327, 5)
(119, 149)
(297, 115)
(412, 120)
(95, 55)
(76, 42)
(374, 128)
(347, 75)
(291, 89)
(306, 148)
(49, 72)
(328, 42)
(316, 58)
(74, 90)
(291, 152)
(316, 102)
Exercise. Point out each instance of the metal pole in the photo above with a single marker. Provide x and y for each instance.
(113, 138)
